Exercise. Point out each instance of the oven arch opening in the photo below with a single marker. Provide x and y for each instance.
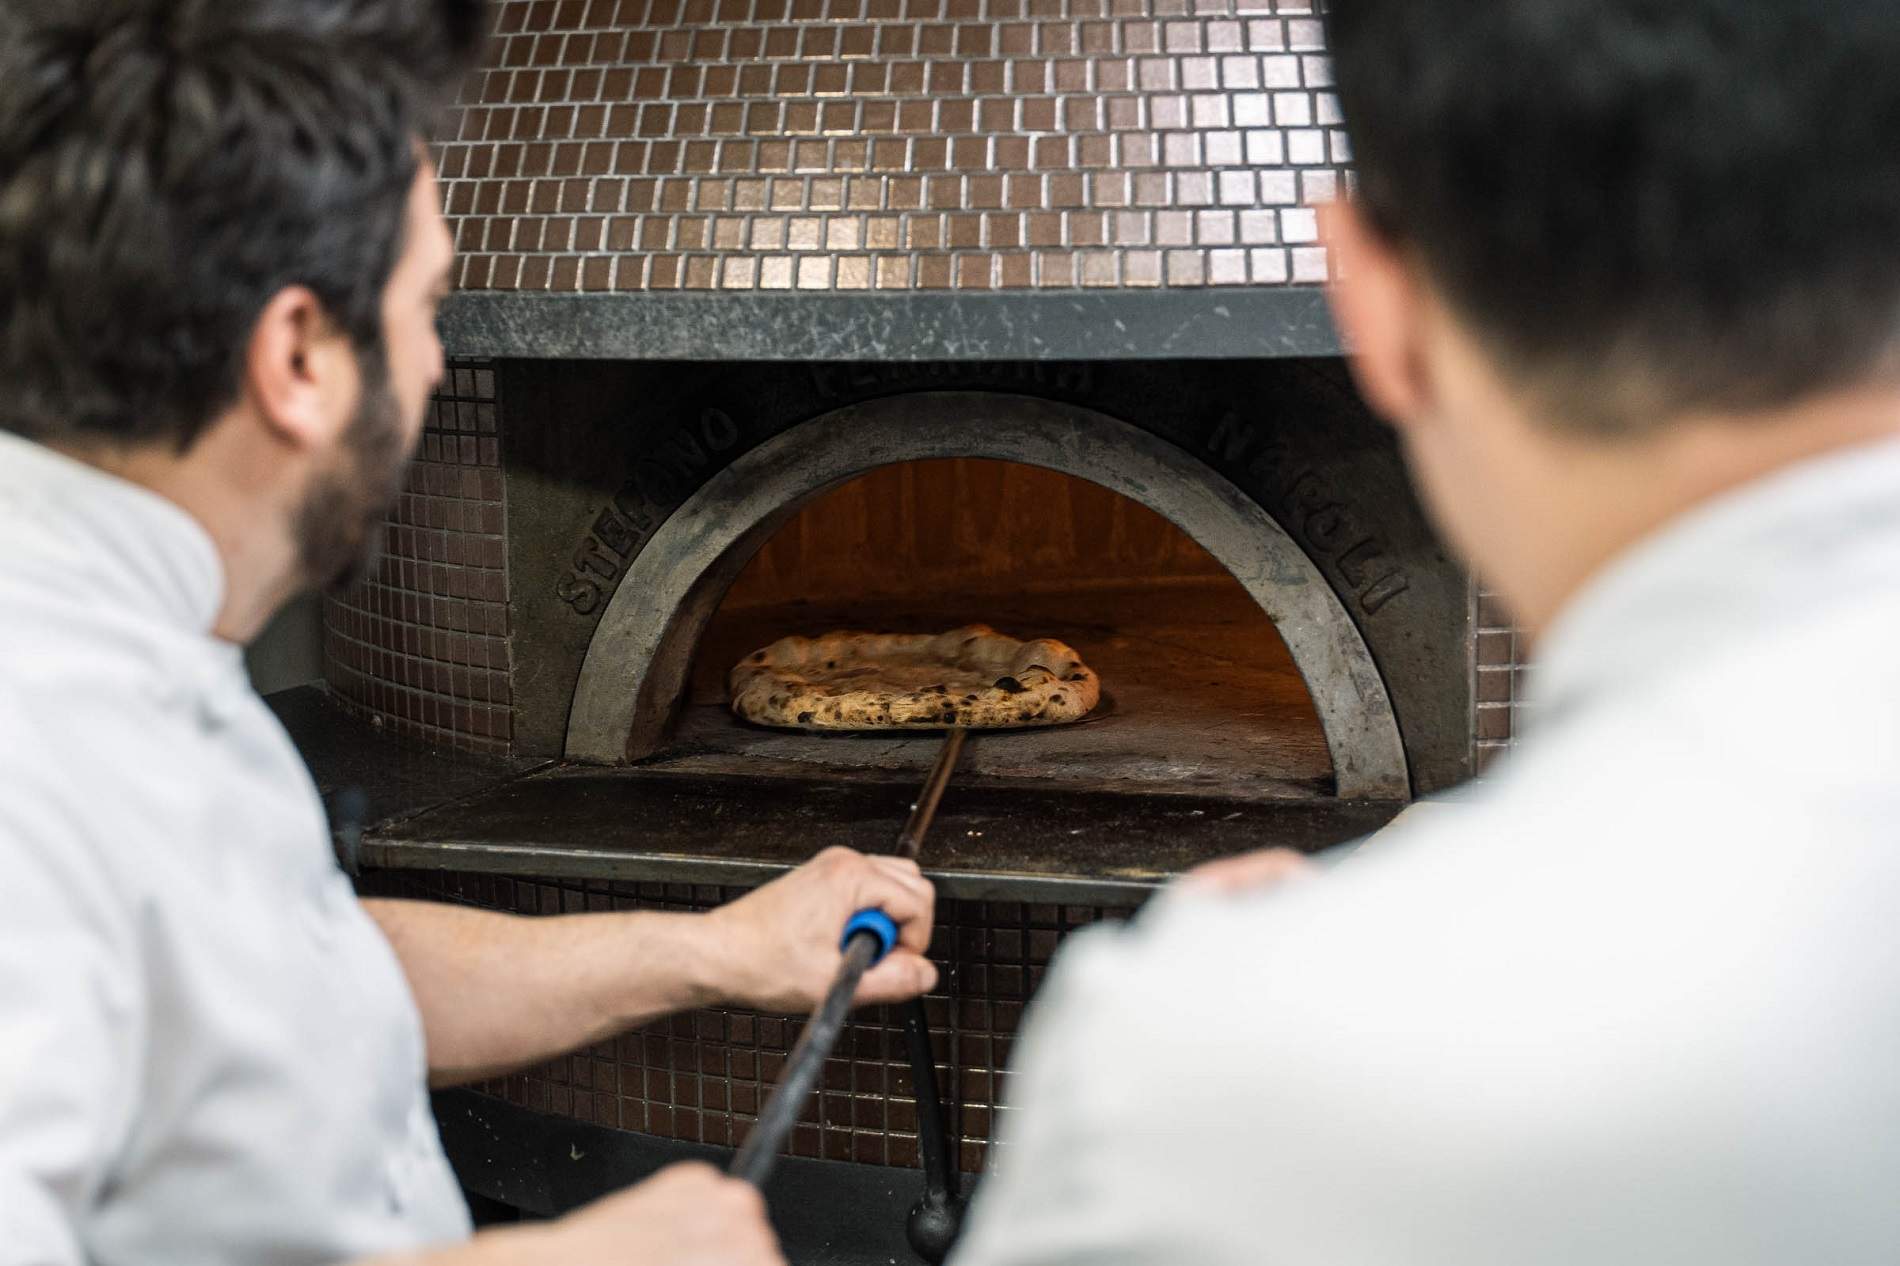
(636, 672)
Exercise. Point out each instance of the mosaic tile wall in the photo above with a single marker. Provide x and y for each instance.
(1500, 679)
(421, 646)
(894, 144)
(701, 1076)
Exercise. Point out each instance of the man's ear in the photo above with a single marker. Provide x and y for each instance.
(1380, 308)
(300, 371)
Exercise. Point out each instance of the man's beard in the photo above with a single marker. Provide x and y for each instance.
(340, 525)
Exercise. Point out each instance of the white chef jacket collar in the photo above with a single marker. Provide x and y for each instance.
(157, 556)
(1740, 557)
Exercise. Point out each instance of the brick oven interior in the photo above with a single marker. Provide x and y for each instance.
(1202, 695)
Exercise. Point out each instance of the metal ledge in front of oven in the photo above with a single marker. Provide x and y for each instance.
(1006, 840)
(1015, 843)
(1205, 323)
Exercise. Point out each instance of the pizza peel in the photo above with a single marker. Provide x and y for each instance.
(868, 936)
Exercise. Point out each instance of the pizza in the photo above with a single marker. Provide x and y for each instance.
(970, 677)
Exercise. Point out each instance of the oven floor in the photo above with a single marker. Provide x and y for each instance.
(1200, 696)
(1012, 843)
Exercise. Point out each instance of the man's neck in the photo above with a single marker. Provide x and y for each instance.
(1607, 498)
(246, 528)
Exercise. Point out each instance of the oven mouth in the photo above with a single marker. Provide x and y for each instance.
(638, 678)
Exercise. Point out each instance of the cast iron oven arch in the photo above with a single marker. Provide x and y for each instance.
(635, 672)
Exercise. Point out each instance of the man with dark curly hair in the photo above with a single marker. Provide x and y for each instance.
(221, 252)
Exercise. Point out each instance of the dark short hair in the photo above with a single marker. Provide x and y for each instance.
(166, 166)
(1642, 207)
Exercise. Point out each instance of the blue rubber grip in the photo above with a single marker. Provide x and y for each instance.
(877, 923)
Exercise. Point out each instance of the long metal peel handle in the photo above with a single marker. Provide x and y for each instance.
(911, 838)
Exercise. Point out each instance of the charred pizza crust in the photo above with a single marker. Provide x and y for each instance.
(970, 677)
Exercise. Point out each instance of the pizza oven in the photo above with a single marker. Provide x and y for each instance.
(788, 316)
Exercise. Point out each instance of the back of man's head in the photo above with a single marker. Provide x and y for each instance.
(1644, 208)
(166, 166)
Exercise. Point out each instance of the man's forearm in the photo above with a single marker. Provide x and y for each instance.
(527, 1245)
(500, 991)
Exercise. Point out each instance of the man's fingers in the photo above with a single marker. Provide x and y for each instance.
(900, 977)
(900, 890)
(1247, 871)
(901, 869)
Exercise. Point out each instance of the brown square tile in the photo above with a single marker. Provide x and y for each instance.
(933, 272)
(893, 272)
(768, 233)
(775, 273)
(1227, 268)
(663, 272)
(843, 233)
(1098, 268)
(961, 232)
(609, 194)
(1087, 228)
(1186, 268)
(1266, 35)
(1141, 268)
(804, 233)
(787, 194)
(1215, 228)
(882, 233)
(748, 195)
(1269, 266)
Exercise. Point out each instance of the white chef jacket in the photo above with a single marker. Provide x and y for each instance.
(208, 1052)
(1637, 1002)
